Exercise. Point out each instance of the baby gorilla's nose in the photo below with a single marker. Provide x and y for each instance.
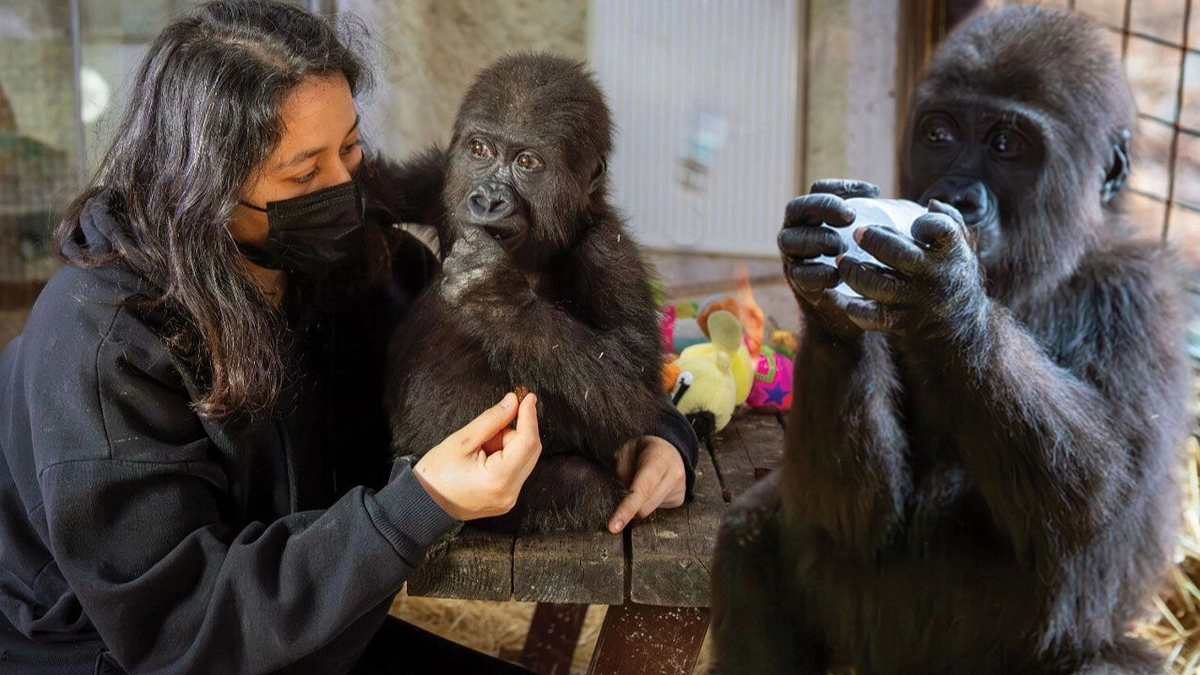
(490, 202)
(968, 195)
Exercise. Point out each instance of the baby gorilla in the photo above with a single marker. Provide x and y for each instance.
(541, 287)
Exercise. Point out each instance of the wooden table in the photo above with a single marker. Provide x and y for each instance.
(654, 577)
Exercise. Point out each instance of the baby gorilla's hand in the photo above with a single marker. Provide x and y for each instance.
(476, 262)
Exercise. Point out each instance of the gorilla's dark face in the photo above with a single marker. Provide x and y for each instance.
(500, 171)
(981, 159)
(1031, 155)
(526, 161)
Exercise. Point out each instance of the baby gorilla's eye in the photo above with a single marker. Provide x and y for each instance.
(480, 148)
(530, 162)
(938, 134)
(1006, 145)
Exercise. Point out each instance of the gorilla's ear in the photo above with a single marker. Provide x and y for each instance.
(598, 175)
(1118, 171)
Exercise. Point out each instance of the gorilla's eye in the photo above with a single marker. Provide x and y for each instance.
(937, 130)
(1005, 144)
(937, 133)
(480, 148)
(529, 162)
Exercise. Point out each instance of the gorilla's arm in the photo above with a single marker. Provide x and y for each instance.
(1057, 442)
(847, 451)
(1059, 447)
(588, 347)
(408, 191)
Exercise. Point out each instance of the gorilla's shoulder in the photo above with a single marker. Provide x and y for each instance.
(1137, 271)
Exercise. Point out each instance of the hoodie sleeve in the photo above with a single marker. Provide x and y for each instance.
(136, 511)
(675, 429)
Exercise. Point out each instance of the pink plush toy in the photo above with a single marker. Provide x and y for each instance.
(667, 323)
(772, 385)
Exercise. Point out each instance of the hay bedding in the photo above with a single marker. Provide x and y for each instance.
(499, 628)
(1176, 628)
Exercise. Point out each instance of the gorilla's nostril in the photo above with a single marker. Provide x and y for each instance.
(489, 203)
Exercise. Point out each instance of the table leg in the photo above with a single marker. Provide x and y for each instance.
(553, 634)
(649, 640)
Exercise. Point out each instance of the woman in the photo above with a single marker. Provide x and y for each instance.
(195, 473)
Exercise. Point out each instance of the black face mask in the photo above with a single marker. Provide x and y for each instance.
(313, 233)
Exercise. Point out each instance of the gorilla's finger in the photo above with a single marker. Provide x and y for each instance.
(810, 279)
(939, 231)
(810, 242)
(874, 282)
(936, 206)
(868, 314)
(814, 210)
(892, 248)
(846, 189)
(831, 313)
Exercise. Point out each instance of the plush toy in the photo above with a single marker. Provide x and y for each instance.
(725, 331)
(666, 322)
(772, 387)
(743, 306)
(784, 342)
(685, 330)
(670, 373)
(705, 390)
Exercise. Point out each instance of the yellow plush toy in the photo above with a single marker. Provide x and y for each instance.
(725, 331)
(705, 390)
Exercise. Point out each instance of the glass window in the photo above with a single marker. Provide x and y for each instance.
(63, 71)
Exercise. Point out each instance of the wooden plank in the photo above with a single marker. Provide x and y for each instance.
(553, 632)
(746, 450)
(671, 549)
(476, 564)
(587, 568)
(646, 640)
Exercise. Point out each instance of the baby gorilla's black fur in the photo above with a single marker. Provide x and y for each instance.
(541, 287)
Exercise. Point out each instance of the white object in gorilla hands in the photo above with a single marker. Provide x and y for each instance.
(897, 214)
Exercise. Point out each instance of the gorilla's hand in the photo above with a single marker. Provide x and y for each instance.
(846, 189)
(932, 285)
(807, 234)
(476, 266)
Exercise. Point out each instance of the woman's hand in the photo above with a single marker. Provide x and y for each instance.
(654, 472)
(478, 470)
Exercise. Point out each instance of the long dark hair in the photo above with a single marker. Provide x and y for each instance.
(203, 116)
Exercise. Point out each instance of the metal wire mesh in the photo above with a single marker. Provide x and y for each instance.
(1159, 43)
(62, 68)
(1158, 33)
(38, 167)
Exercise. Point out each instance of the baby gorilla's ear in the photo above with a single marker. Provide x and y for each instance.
(598, 175)
(1118, 169)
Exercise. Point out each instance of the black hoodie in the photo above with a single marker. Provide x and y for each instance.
(181, 544)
